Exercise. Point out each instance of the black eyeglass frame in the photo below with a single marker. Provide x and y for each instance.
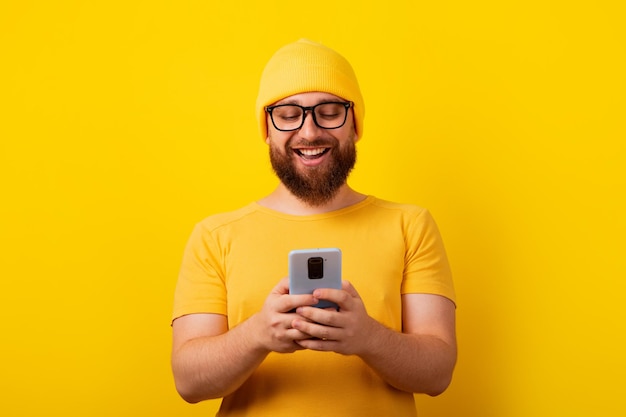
(346, 105)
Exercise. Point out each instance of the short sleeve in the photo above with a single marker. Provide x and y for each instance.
(200, 287)
(427, 269)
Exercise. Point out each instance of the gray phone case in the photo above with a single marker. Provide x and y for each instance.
(314, 268)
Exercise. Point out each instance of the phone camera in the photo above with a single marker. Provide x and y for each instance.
(316, 267)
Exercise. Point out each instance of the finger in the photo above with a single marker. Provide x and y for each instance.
(330, 294)
(349, 288)
(318, 344)
(288, 342)
(289, 303)
(281, 301)
(296, 335)
(326, 317)
(282, 287)
(315, 330)
(339, 297)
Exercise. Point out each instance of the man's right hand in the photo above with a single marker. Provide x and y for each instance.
(273, 324)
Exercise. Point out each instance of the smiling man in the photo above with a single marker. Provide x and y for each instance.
(238, 334)
(311, 155)
(326, 162)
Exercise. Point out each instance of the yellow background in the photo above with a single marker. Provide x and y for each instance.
(123, 123)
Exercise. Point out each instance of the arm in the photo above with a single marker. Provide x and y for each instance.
(211, 361)
(420, 359)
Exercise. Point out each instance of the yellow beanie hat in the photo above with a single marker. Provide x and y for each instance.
(306, 66)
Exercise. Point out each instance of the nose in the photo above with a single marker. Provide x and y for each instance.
(309, 130)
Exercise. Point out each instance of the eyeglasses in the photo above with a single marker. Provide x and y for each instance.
(328, 115)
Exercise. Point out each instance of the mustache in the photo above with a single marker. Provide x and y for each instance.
(317, 143)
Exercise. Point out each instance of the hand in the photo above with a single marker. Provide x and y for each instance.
(274, 322)
(347, 331)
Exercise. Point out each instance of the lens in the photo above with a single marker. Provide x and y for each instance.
(330, 115)
(287, 117)
(316, 268)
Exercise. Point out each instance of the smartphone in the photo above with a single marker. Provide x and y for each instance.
(315, 268)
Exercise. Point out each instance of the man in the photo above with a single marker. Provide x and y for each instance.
(240, 335)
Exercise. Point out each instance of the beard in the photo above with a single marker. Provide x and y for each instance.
(318, 185)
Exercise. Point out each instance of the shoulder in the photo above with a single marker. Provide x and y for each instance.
(392, 205)
(219, 220)
(403, 209)
(411, 218)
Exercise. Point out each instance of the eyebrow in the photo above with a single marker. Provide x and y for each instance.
(290, 101)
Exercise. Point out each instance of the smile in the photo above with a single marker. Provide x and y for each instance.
(311, 153)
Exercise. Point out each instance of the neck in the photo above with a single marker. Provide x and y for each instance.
(282, 200)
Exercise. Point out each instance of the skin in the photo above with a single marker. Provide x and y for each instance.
(211, 361)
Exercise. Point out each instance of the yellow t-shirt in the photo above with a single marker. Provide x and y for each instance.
(233, 260)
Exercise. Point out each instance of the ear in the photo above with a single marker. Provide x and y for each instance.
(357, 135)
(268, 135)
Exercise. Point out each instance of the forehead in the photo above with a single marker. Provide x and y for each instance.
(309, 98)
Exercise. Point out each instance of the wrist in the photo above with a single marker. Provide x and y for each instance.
(376, 336)
(252, 337)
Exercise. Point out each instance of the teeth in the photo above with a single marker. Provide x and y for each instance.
(311, 152)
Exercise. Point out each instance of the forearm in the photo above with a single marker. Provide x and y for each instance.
(209, 360)
(416, 363)
(214, 366)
